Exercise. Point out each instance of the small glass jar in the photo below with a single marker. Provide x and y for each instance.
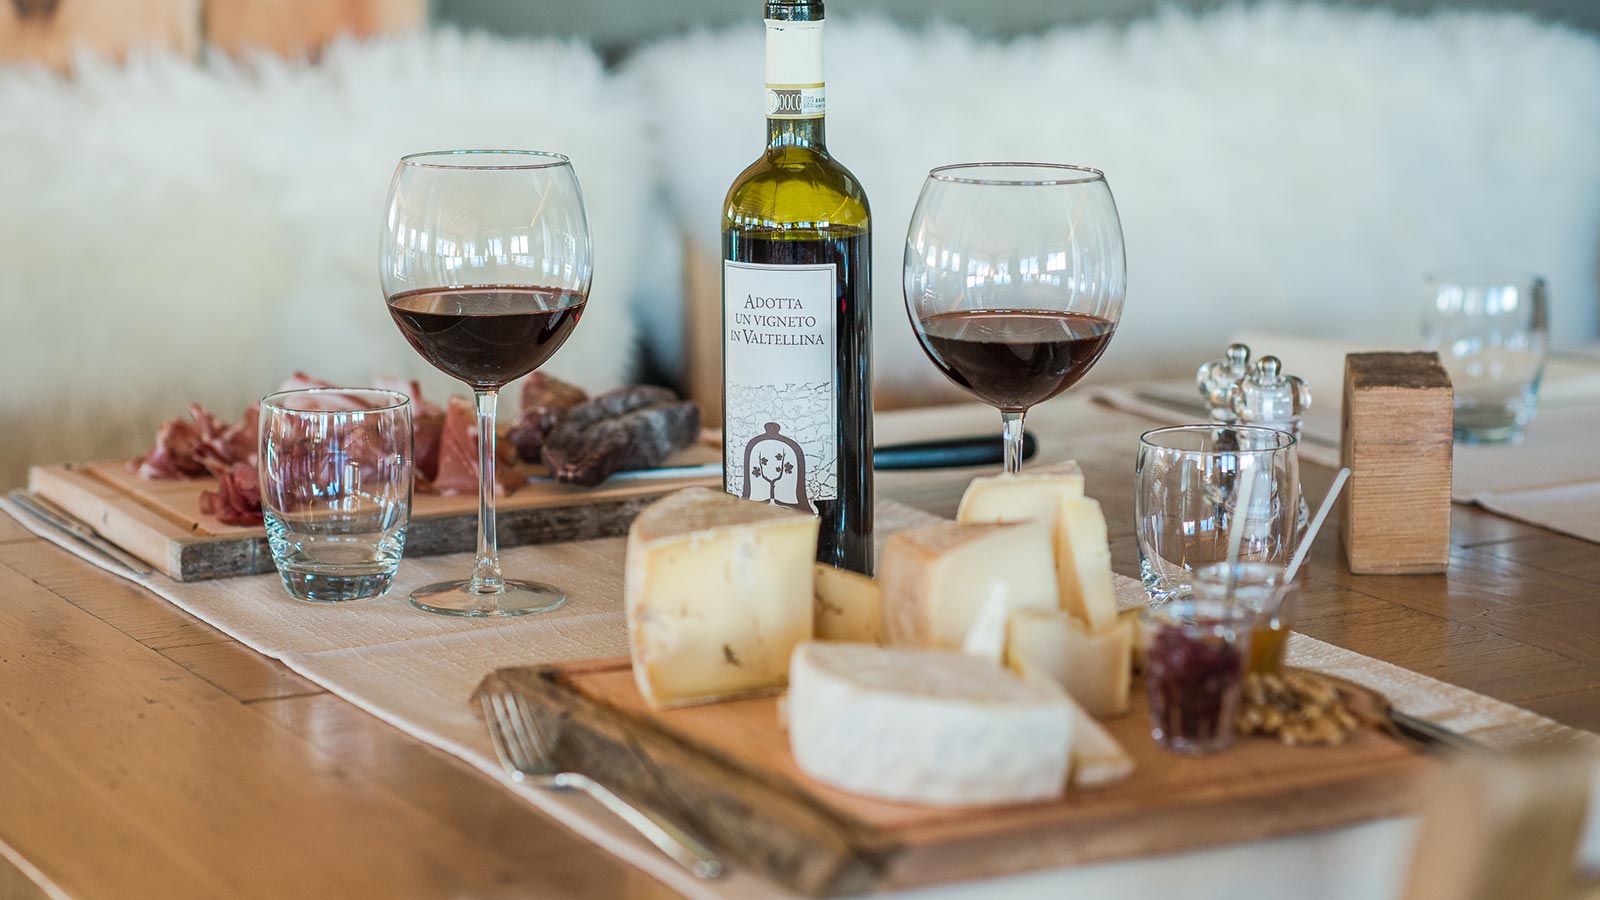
(1259, 588)
(1195, 655)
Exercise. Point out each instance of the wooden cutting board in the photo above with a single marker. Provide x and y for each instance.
(160, 521)
(725, 771)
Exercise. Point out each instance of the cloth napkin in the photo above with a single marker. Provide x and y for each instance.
(416, 671)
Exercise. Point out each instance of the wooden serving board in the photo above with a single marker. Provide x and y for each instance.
(160, 521)
(725, 771)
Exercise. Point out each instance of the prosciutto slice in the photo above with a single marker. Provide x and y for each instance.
(186, 447)
(237, 499)
(458, 455)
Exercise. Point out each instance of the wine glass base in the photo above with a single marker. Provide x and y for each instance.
(519, 598)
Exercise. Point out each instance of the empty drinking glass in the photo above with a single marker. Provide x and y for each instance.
(1190, 480)
(1492, 335)
(336, 489)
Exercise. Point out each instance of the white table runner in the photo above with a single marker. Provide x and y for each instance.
(416, 671)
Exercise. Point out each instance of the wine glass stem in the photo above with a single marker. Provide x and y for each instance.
(486, 577)
(1011, 432)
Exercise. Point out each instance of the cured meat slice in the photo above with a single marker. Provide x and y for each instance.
(457, 471)
(237, 499)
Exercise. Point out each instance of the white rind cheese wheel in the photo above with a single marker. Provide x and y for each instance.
(926, 726)
(718, 592)
(849, 606)
(1095, 669)
(936, 579)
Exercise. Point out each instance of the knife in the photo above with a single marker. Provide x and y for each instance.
(1432, 735)
(45, 512)
(941, 453)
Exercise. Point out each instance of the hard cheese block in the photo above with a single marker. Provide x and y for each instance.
(1095, 668)
(926, 726)
(1083, 563)
(849, 606)
(1053, 496)
(1032, 496)
(718, 593)
(935, 580)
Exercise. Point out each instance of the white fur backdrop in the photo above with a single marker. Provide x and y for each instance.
(1295, 168)
(172, 232)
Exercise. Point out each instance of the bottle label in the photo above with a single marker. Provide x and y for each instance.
(794, 70)
(780, 418)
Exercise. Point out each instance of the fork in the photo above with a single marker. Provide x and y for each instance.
(526, 758)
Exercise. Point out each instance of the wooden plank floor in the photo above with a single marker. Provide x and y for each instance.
(145, 754)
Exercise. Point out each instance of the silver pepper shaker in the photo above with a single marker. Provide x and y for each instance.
(1218, 379)
(1269, 398)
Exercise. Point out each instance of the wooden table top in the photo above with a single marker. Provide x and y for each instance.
(145, 754)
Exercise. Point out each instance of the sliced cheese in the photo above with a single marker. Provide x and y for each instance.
(926, 726)
(1083, 563)
(936, 579)
(1130, 617)
(717, 593)
(1054, 496)
(849, 606)
(1097, 759)
(986, 639)
(1034, 495)
(1094, 668)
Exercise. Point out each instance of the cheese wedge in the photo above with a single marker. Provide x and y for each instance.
(936, 579)
(1083, 563)
(849, 606)
(986, 639)
(1053, 495)
(926, 726)
(1094, 668)
(717, 592)
(1034, 495)
(1097, 759)
(1130, 617)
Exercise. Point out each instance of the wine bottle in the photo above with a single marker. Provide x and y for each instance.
(797, 309)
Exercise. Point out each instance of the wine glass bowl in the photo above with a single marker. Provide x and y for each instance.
(486, 267)
(1014, 280)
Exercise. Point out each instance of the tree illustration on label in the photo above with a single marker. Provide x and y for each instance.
(776, 459)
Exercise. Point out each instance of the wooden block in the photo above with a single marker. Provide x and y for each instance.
(1396, 440)
(49, 32)
(299, 27)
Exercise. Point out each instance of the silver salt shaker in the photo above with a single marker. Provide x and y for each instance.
(1218, 379)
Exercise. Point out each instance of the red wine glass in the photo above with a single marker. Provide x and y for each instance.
(1014, 281)
(486, 267)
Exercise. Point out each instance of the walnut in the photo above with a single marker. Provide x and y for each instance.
(1302, 709)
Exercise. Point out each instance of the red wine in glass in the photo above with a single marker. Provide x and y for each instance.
(485, 264)
(486, 336)
(1015, 278)
(1013, 359)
